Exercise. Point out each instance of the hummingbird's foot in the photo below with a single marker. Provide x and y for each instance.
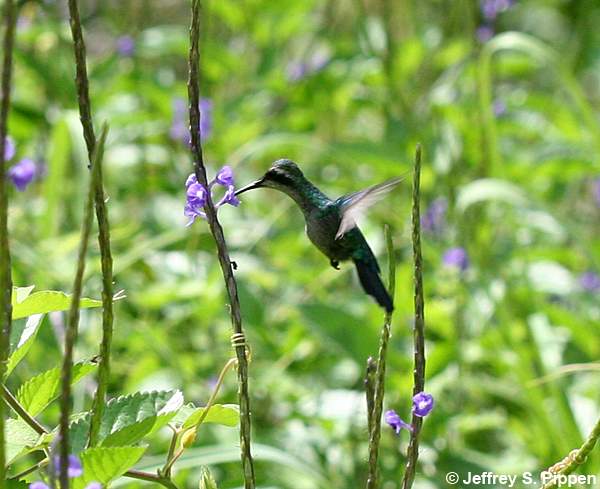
(335, 264)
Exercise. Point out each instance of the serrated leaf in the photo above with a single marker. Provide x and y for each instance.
(21, 338)
(47, 301)
(19, 436)
(127, 419)
(39, 391)
(224, 414)
(105, 464)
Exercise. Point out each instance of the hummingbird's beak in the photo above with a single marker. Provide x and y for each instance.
(250, 186)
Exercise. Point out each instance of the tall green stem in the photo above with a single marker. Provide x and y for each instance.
(379, 391)
(73, 316)
(85, 115)
(5, 267)
(222, 251)
(419, 331)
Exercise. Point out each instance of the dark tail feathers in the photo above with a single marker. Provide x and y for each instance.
(371, 282)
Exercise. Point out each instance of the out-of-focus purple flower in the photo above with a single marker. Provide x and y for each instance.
(180, 130)
(484, 33)
(126, 46)
(434, 219)
(296, 70)
(94, 485)
(590, 281)
(22, 173)
(38, 485)
(74, 467)
(299, 69)
(422, 404)
(499, 108)
(224, 176)
(491, 8)
(9, 148)
(456, 257)
(596, 191)
(396, 422)
(206, 107)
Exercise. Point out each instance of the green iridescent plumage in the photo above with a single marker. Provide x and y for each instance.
(330, 224)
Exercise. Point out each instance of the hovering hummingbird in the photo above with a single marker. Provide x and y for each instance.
(331, 224)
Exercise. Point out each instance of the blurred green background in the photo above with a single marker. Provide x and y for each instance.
(505, 99)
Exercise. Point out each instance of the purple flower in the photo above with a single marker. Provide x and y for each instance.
(205, 107)
(197, 194)
(422, 404)
(191, 179)
(22, 173)
(74, 467)
(491, 8)
(229, 198)
(499, 108)
(180, 130)
(590, 281)
(392, 418)
(38, 485)
(224, 176)
(94, 485)
(596, 191)
(456, 257)
(484, 33)
(126, 46)
(434, 219)
(9, 148)
(297, 70)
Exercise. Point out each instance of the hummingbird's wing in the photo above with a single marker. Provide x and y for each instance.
(354, 205)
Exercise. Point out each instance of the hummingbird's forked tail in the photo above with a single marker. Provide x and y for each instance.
(371, 281)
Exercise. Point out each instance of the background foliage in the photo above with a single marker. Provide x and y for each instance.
(510, 132)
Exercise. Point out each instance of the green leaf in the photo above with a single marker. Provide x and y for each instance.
(127, 419)
(224, 414)
(21, 338)
(486, 189)
(39, 391)
(104, 465)
(207, 481)
(19, 436)
(14, 484)
(47, 301)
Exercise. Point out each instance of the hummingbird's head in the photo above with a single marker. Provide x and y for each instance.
(282, 175)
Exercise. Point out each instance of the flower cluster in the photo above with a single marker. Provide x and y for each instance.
(126, 46)
(197, 194)
(490, 9)
(23, 173)
(434, 220)
(74, 469)
(179, 127)
(422, 406)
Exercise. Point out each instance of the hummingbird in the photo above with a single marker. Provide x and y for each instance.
(331, 224)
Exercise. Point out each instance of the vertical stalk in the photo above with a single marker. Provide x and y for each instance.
(222, 251)
(85, 115)
(370, 391)
(375, 416)
(73, 317)
(5, 267)
(419, 331)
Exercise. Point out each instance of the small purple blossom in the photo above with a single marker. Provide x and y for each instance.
(499, 108)
(434, 219)
(590, 281)
(297, 70)
(484, 33)
(396, 422)
(9, 148)
(197, 194)
(225, 176)
(126, 46)
(596, 190)
(491, 8)
(22, 173)
(38, 485)
(422, 404)
(456, 257)
(206, 107)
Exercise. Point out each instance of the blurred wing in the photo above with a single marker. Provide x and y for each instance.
(354, 205)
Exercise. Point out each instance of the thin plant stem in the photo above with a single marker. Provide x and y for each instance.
(145, 476)
(577, 457)
(375, 431)
(370, 391)
(222, 251)
(73, 316)
(9, 16)
(85, 115)
(419, 329)
(22, 412)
